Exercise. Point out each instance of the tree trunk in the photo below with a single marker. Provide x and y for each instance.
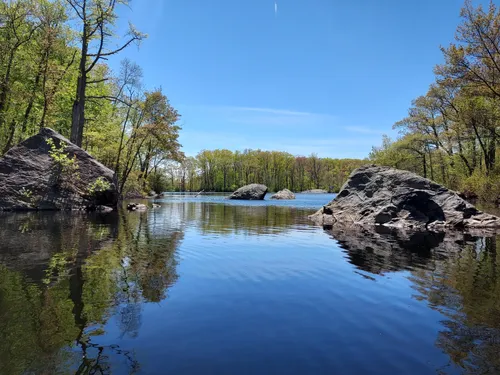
(5, 86)
(32, 98)
(492, 149)
(117, 163)
(424, 164)
(78, 113)
(8, 145)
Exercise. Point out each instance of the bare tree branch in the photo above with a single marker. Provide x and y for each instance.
(74, 5)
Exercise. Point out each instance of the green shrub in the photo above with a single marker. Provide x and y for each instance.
(64, 166)
(487, 188)
(28, 196)
(134, 184)
(98, 186)
(157, 182)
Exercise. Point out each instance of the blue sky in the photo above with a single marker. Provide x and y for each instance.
(322, 76)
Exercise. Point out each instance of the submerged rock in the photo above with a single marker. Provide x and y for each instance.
(315, 191)
(69, 179)
(284, 194)
(250, 192)
(137, 207)
(376, 195)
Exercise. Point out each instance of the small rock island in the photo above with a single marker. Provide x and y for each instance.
(252, 192)
(284, 194)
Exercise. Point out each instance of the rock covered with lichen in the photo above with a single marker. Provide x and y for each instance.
(375, 195)
(252, 192)
(48, 172)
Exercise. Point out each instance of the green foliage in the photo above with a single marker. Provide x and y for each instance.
(64, 166)
(452, 134)
(98, 186)
(134, 184)
(224, 170)
(158, 182)
(126, 127)
(27, 194)
(29, 197)
(152, 137)
(487, 188)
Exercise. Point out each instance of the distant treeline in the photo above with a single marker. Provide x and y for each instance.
(452, 133)
(225, 170)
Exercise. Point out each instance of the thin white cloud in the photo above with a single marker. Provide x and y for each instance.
(263, 110)
(275, 8)
(272, 111)
(265, 117)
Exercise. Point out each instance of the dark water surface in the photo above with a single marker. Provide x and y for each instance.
(209, 286)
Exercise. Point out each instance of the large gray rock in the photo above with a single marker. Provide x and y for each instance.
(284, 194)
(30, 179)
(376, 195)
(253, 192)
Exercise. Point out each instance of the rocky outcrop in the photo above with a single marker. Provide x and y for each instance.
(376, 195)
(284, 194)
(48, 172)
(253, 192)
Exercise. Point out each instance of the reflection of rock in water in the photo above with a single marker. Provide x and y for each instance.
(29, 240)
(455, 273)
(382, 249)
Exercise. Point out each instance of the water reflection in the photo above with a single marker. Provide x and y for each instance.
(456, 274)
(89, 294)
(233, 219)
(62, 276)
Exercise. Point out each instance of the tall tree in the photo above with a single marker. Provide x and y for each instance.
(96, 18)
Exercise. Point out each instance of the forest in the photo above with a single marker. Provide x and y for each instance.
(452, 133)
(54, 73)
(224, 170)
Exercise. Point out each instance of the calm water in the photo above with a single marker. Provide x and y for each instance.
(209, 286)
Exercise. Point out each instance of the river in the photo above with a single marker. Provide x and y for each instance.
(204, 285)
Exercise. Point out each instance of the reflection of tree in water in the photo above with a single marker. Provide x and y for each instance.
(67, 299)
(240, 219)
(466, 289)
(457, 274)
(152, 262)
